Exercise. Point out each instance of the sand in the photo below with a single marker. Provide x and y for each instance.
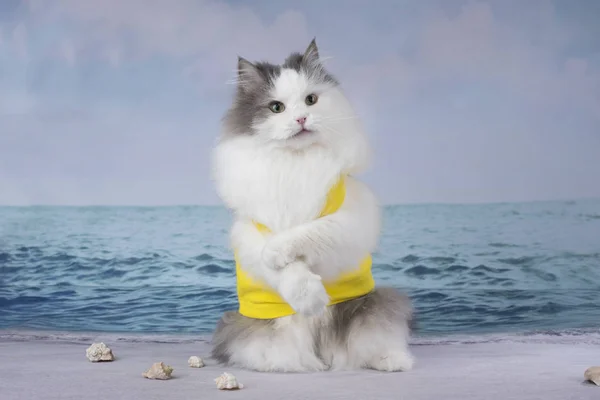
(54, 366)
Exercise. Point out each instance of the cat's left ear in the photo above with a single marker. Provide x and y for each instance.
(311, 55)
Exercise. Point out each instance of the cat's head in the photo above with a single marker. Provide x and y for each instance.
(294, 105)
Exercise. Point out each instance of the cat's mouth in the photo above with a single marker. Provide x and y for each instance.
(301, 132)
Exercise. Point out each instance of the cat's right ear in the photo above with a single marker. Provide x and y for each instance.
(248, 75)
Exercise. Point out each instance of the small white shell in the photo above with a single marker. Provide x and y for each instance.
(158, 371)
(228, 382)
(99, 352)
(195, 362)
(592, 374)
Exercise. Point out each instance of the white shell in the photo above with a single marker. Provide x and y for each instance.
(195, 362)
(158, 370)
(592, 374)
(99, 352)
(228, 382)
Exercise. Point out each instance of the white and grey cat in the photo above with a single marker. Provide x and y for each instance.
(287, 137)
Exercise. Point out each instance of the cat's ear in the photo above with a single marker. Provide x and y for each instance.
(311, 55)
(248, 75)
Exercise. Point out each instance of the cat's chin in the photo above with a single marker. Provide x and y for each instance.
(302, 139)
(299, 140)
(301, 134)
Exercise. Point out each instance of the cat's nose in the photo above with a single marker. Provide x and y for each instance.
(301, 120)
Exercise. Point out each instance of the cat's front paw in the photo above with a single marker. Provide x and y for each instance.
(303, 290)
(279, 251)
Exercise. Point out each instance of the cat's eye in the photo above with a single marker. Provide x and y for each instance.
(311, 99)
(276, 106)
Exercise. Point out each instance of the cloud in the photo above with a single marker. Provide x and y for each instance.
(68, 52)
(119, 101)
(474, 45)
(194, 32)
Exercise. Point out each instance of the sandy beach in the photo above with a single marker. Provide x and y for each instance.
(54, 366)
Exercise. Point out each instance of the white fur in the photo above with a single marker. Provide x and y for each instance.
(302, 289)
(383, 349)
(289, 348)
(282, 181)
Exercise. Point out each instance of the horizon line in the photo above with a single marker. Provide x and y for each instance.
(425, 203)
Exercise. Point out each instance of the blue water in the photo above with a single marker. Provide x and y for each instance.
(468, 268)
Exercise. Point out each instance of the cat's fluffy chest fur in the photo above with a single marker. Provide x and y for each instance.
(279, 188)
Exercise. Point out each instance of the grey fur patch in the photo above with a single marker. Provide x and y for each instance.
(255, 81)
(234, 327)
(251, 103)
(383, 306)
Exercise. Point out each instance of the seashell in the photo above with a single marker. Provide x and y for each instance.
(195, 362)
(158, 370)
(99, 352)
(228, 382)
(592, 374)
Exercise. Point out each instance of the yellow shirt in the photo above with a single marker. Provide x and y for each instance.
(258, 300)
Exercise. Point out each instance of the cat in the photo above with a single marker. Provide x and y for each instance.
(286, 140)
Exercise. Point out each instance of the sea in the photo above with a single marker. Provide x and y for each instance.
(469, 269)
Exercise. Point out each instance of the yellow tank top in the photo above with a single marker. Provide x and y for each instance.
(258, 300)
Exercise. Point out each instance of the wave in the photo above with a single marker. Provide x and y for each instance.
(468, 269)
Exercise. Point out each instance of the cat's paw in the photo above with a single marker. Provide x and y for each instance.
(394, 361)
(303, 290)
(279, 251)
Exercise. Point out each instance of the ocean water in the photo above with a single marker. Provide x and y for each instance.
(469, 269)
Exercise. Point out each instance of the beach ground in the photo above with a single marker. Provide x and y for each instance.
(58, 369)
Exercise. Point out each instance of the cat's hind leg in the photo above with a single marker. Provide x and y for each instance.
(370, 332)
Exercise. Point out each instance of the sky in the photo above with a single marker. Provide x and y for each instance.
(118, 102)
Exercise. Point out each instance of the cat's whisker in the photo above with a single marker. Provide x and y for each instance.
(340, 115)
(330, 129)
(235, 78)
(339, 118)
(330, 118)
(236, 81)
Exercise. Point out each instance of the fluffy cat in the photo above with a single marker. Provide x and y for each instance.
(287, 138)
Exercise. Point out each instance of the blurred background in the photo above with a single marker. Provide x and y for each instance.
(484, 117)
